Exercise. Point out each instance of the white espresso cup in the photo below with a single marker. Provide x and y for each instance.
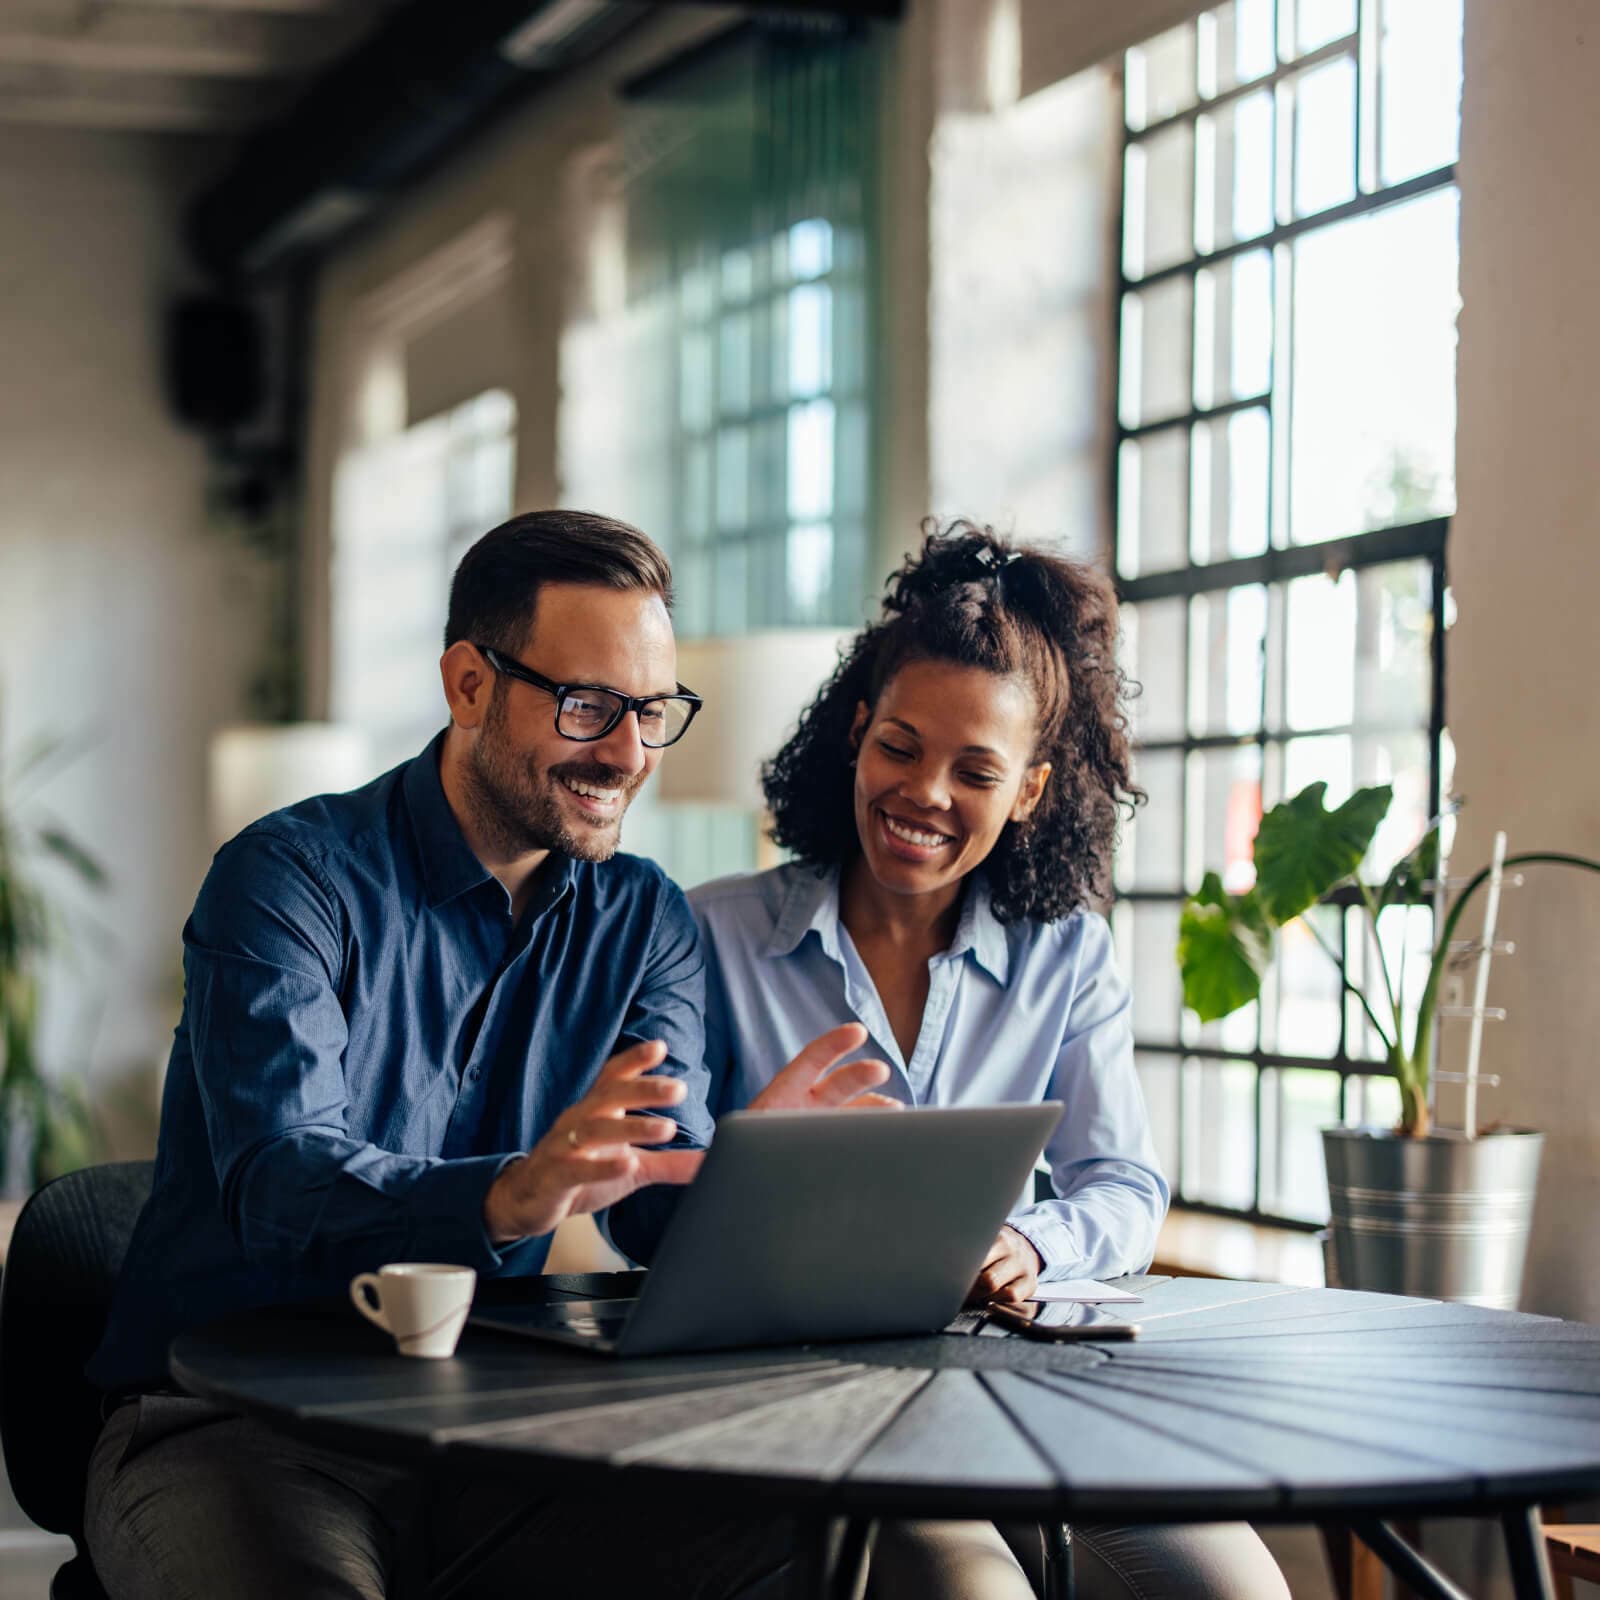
(421, 1303)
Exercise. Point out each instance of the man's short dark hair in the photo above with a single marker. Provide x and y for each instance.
(496, 586)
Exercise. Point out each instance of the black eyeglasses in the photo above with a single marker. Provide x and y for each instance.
(585, 711)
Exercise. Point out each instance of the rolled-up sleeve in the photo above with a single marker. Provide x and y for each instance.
(670, 1005)
(1110, 1195)
(264, 954)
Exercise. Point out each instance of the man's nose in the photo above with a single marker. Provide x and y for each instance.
(623, 748)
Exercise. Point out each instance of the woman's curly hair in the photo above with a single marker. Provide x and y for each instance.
(971, 598)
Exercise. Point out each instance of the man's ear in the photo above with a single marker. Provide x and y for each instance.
(859, 725)
(468, 684)
(1034, 783)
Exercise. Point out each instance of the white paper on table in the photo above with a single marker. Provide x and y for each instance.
(1082, 1289)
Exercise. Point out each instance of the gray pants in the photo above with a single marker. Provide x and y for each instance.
(185, 1500)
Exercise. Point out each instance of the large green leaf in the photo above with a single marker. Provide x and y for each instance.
(1223, 948)
(1303, 850)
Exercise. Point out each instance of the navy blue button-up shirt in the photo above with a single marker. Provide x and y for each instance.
(367, 1039)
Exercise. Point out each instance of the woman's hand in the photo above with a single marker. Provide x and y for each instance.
(1010, 1271)
(806, 1084)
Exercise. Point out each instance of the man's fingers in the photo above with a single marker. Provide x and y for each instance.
(634, 1094)
(636, 1059)
(876, 1102)
(669, 1166)
(845, 1083)
(607, 1133)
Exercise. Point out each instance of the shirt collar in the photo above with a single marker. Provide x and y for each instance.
(449, 868)
(812, 902)
(980, 932)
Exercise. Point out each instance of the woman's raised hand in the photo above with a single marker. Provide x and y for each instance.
(806, 1084)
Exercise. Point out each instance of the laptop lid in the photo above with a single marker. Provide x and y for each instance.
(837, 1224)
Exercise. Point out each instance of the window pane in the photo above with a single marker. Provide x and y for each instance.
(1401, 760)
(1152, 502)
(1327, 759)
(1227, 643)
(1158, 1077)
(1233, 329)
(810, 341)
(1153, 655)
(1150, 855)
(1296, 1104)
(1219, 1156)
(1325, 137)
(733, 363)
(810, 571)
(733, 478)
(1147, 951)
(1320, 651)
(694, 381)
(731, 576)
(1317, 22)
(1157, 347)
(1158, 201)
(695, 504)
(1302, 1010)
(811, 459)
(1394, 644)
(1234, 166)
(1374, 1102)
(1244, 44)
(1224, 810)
(1374, 370)
(1419, 87)
(1230, 486)
(1161, 76)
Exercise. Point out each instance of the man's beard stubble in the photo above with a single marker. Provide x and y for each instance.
(516, 803)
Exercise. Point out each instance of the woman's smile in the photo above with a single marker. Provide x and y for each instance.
(910, 840)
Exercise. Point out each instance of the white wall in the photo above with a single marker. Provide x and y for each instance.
(124, 619)
(1524, 656)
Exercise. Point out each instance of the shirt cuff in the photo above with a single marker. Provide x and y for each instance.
(447, 1204)
(1053, 1240)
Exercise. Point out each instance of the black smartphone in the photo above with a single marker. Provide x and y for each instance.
(1061, 1320)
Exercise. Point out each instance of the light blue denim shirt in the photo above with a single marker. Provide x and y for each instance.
(1028, 1011)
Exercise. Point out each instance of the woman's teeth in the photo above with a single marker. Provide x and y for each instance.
(916, 836)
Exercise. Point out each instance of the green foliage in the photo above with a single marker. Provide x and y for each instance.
(58, 1113)
(1224, 944)
(1303, 850)
(1303, 853)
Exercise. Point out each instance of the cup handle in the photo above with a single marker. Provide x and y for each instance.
(360, 1285)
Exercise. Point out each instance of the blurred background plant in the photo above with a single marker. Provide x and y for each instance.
(46, 1123)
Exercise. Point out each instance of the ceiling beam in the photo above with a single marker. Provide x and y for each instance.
(168, 39)
(135, 102)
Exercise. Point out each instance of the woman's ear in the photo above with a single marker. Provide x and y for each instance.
(859, 726)
(1034, 782)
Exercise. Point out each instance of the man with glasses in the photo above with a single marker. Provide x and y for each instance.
(428, 1021)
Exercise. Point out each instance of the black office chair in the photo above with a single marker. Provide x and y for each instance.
(54, 1296)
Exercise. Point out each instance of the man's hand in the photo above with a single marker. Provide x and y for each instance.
(807, 1085)
(592, 1156)
(1010, 1271)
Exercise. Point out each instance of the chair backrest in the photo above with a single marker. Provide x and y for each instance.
(55, 1292)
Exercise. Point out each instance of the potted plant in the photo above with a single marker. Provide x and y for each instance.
(1415, 1209)
(46, 1127)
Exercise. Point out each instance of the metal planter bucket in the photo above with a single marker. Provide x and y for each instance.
(1445, 1217)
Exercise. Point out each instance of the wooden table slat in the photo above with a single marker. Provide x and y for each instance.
(817, 1435)
(954, 1428)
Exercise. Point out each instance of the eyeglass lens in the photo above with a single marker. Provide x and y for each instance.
(591, 713)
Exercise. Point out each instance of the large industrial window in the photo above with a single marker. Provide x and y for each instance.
(1284, 478)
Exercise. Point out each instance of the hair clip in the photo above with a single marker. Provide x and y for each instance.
(990, 562)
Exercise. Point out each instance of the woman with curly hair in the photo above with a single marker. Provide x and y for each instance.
(951, 799)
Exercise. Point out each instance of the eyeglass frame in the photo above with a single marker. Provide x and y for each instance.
(508, 667)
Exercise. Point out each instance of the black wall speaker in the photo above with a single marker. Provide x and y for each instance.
(215, 374)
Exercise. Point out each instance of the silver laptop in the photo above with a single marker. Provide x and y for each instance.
(806, 1225)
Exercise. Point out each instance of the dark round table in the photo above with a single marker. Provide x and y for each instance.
(1238, 1400)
